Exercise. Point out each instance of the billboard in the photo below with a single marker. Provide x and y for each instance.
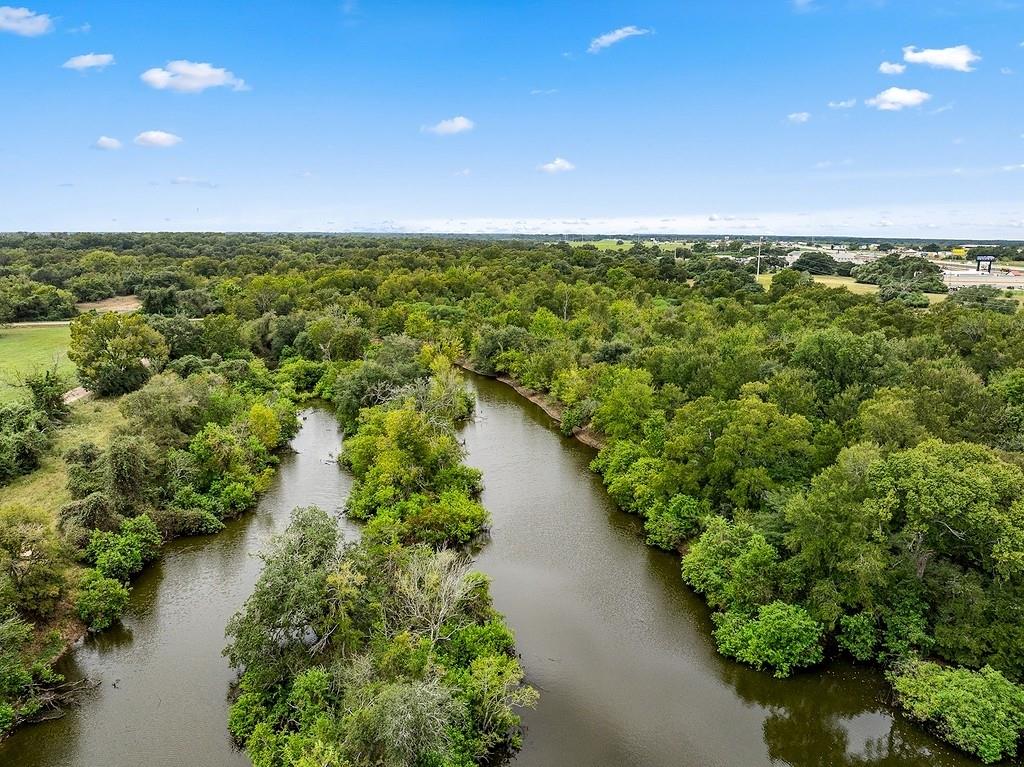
(960, 252)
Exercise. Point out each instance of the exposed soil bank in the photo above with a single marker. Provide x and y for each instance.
(552, 407)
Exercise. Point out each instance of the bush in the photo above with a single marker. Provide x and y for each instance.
(782, 637)
(101, 600)
(94, 512)
(858, 635)
(668, 525)
(30, 567)
(47, 387)
(174, 521)
(22, 440)
(122, 555)
(85, 473)
(979, 711)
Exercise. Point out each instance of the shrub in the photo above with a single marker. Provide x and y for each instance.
(77, 520)
(101, 600)
(782, 637)
(22, 440)
(47, 387)
(668, 525)
(175, 521)
(858, 635)
(979, 711)
(30, 568)
(122, 555)
(85, 475)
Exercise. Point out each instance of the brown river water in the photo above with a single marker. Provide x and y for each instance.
(620, 650)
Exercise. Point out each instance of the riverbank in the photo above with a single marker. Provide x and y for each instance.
(622, 650)
(162, 700)
(551, 407)
(75, 480)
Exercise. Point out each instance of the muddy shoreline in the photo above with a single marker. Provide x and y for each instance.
(552, 408)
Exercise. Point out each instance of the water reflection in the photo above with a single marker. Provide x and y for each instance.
(623, 651)
(163, 694)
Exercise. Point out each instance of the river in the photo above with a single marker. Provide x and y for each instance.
(620, 650)
(164, 684)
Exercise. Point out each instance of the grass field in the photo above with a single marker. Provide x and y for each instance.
(46, 487)
(849, 283)
(611, 244)
(23, 349)
(830, 281)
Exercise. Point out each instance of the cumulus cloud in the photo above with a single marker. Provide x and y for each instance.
(959, 57)
(558, 165)
(844, 104)
(798, 118)
(451, 126)
(157, 138)
(108, 143)
(895, 99)
(191, 77)
(892, 68)
(22, 21)
(89, 61)
(601, 42)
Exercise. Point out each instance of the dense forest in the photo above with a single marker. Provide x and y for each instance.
(842, 475)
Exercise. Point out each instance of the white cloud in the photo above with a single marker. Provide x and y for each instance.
(451, 126)
(1005, 71)
(464, 172)
(610, 38)
(804, 5)
(892, 68)
(544, 91)
(22, 21)
(844, 104)
(191, 181)
(191, 77)
(108, 143)
(798, 118)
(895, 99)
(826, 164)
(157, 138)
(959, 57)
(558, 165)
(1019, 166)
(89, 61)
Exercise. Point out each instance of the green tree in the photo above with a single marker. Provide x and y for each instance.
(978, 711)
(115, 353)
(627, 404)
(782, 637)
(30, 562)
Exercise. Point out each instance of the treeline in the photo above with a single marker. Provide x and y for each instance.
(841, 474)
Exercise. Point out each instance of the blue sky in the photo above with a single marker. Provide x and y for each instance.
(746, 117)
